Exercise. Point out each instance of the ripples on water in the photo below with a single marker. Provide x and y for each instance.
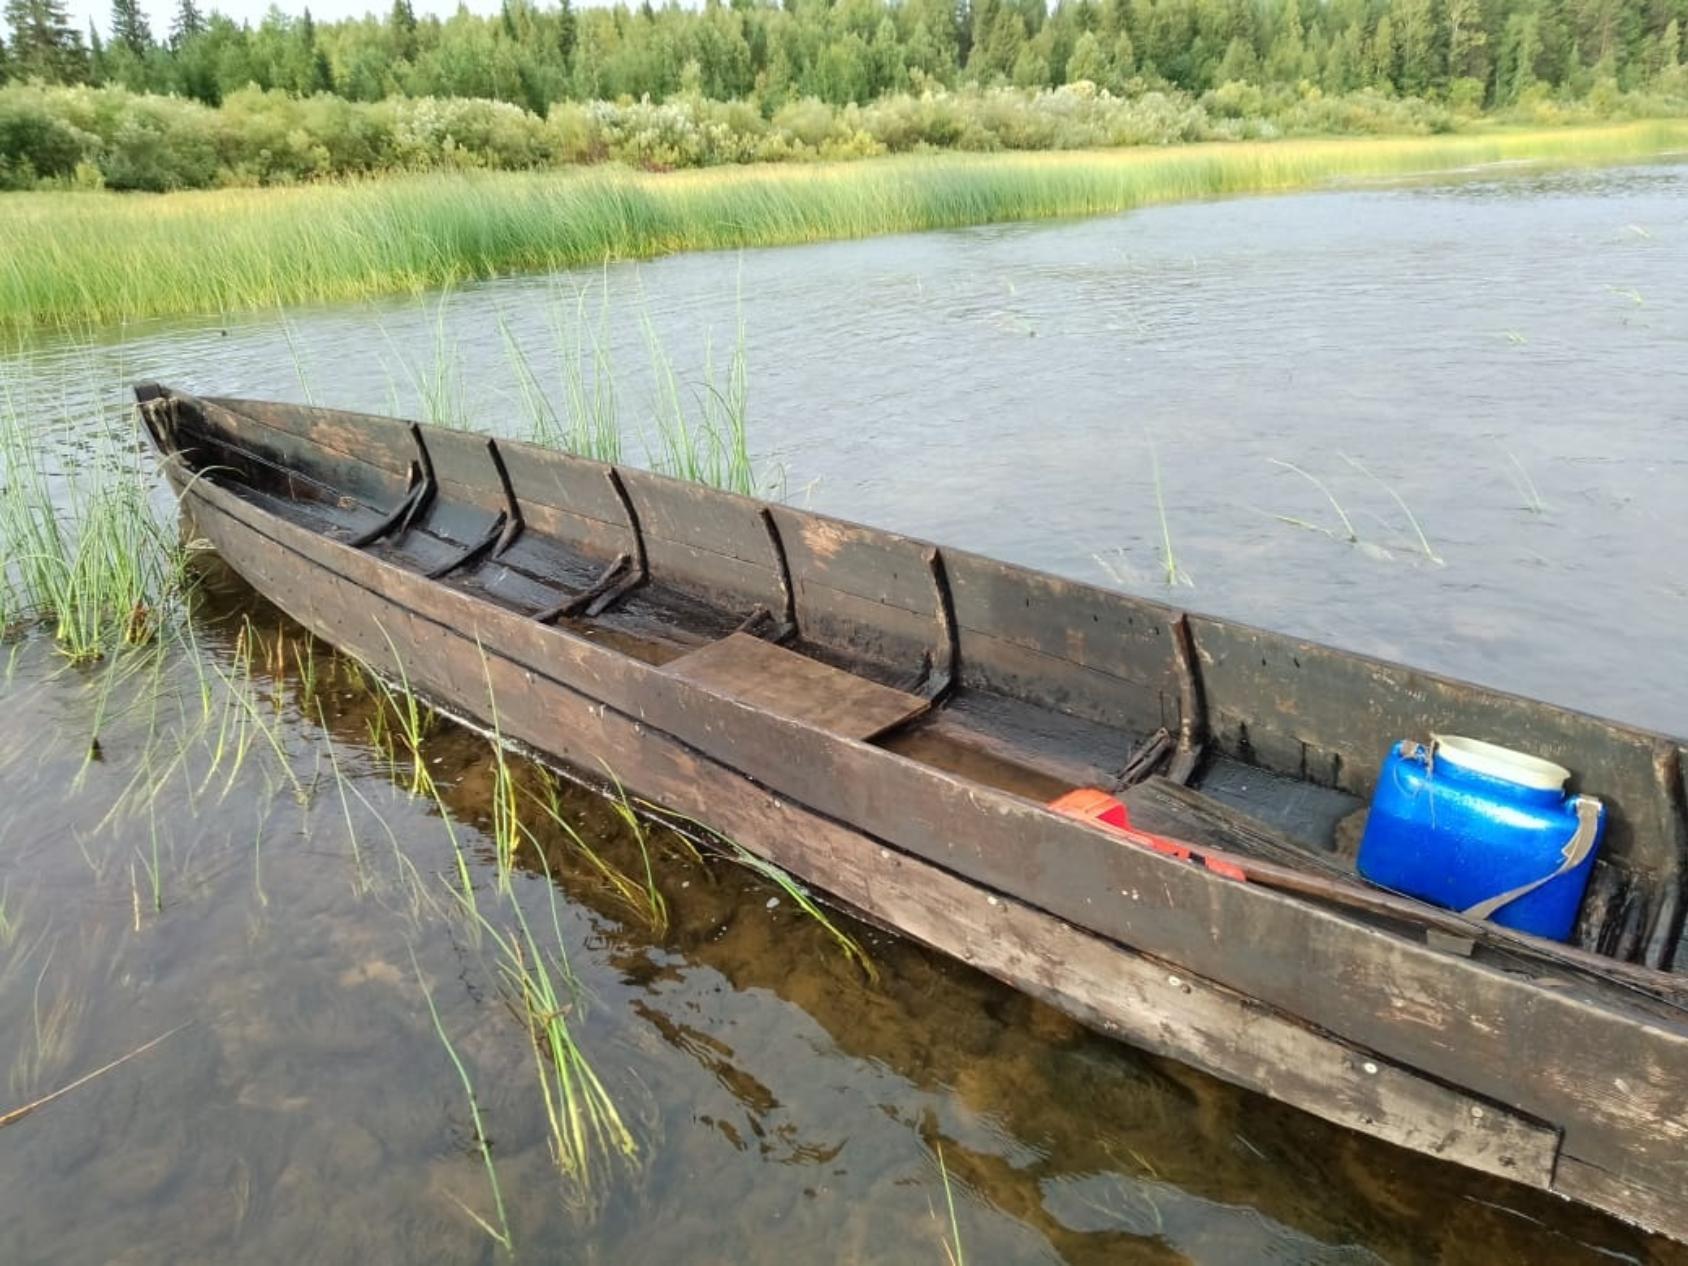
(996, 388)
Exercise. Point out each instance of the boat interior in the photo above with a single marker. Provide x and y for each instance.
(1228, 736)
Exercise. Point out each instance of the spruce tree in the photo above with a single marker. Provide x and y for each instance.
(402, 20)
(567, 32)
(129, 26)
(189, 22)
(44, 43)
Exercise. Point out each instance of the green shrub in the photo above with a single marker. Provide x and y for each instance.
(126, 140)
(35, 142)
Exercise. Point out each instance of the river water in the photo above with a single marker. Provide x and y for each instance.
(1438, 422)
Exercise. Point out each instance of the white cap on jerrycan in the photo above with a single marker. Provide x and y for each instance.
(1499, 762)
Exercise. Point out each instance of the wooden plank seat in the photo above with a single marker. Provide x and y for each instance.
(796, 687)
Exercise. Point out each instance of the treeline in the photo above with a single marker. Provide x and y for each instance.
(1467, 53)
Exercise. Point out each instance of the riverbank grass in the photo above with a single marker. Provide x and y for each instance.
(79, 260)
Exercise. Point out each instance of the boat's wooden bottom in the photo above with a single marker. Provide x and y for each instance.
(1132, 996)
(989, 738)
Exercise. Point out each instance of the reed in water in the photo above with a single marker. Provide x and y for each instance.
(79, 259)
(83, 549)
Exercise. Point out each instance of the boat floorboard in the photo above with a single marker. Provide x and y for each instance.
(1014, 746)
(1312, 816)
(794, 686)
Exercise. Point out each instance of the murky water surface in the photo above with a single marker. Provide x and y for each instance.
(1482, 381)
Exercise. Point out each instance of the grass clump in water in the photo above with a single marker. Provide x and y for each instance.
(586, 1128)
(82, 548)
(701, 430)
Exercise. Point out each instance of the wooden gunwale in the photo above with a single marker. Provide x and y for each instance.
(1452, 1022)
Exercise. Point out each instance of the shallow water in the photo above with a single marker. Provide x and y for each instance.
(994, 388)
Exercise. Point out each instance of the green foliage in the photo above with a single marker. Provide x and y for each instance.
(117, 139)
(43, 43)
(537, 56)
(535, 86)
(36, 142)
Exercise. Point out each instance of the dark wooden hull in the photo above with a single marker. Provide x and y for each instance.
(1557, 1068)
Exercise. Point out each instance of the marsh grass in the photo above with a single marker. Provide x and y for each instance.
(79, 258)
(1400, 502)
(82, 548)
(642, 899)
(252, 722)
(699, 430)
(799, 896)
(589, 423)
(409, 717)
(501, 1233)
(151, 864)
(655, 907)
(1525, 485)
(507, 829)
(436, 380)
(707, 443)
(952, 1247)
(1170, 570)
(56, 1020)
(1349, 534)
(586, 1129)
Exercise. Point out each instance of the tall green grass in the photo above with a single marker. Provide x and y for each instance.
(82, 547)
(701, 429)
(77, 259)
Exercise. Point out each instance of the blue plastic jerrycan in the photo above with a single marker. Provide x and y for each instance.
(1484, 830)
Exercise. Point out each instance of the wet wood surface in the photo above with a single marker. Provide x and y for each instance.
(786, 684)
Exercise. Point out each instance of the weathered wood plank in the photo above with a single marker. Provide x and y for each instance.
(880, 567)
(888, 636)
(358, 437)
(1103, 630)
(770, 677)
(371, 483)
(1164, 807)
(1009, 667)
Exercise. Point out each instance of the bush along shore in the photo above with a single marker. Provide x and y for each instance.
(80, 137)
(76, 260)
(682, 84)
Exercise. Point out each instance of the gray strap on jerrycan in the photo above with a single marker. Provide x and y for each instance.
(1576, 849)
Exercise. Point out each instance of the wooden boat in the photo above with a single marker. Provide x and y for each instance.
(888, 720)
